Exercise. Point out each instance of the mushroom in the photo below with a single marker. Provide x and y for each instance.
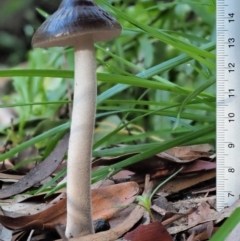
(79, 23)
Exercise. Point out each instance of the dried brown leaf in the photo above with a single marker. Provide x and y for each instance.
(39, 172)
(198, 165)
(217, 217)
(161, 164)
(116, 232)
(154, 231)
(187, 153)
(42, 220)
(183, 182)
(107, 201)
(203, 211)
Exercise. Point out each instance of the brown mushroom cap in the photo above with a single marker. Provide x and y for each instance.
(73, 19)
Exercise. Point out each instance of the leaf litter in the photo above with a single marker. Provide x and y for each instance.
(183, 209)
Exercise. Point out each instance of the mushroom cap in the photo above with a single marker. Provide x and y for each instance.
(73, 19)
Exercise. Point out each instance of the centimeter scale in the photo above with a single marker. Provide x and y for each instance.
(228, 102)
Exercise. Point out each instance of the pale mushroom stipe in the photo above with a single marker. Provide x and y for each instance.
(79, 23)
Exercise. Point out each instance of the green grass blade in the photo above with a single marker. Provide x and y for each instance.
(153, 151)
(227, 227)
(34, 140)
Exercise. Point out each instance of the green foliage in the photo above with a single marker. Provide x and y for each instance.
(37, 89)
(156, 87)
(155, 84)
(146, 201)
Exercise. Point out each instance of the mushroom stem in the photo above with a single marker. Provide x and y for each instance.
(79, 211)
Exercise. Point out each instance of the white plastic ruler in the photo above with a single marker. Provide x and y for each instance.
(228, 102)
